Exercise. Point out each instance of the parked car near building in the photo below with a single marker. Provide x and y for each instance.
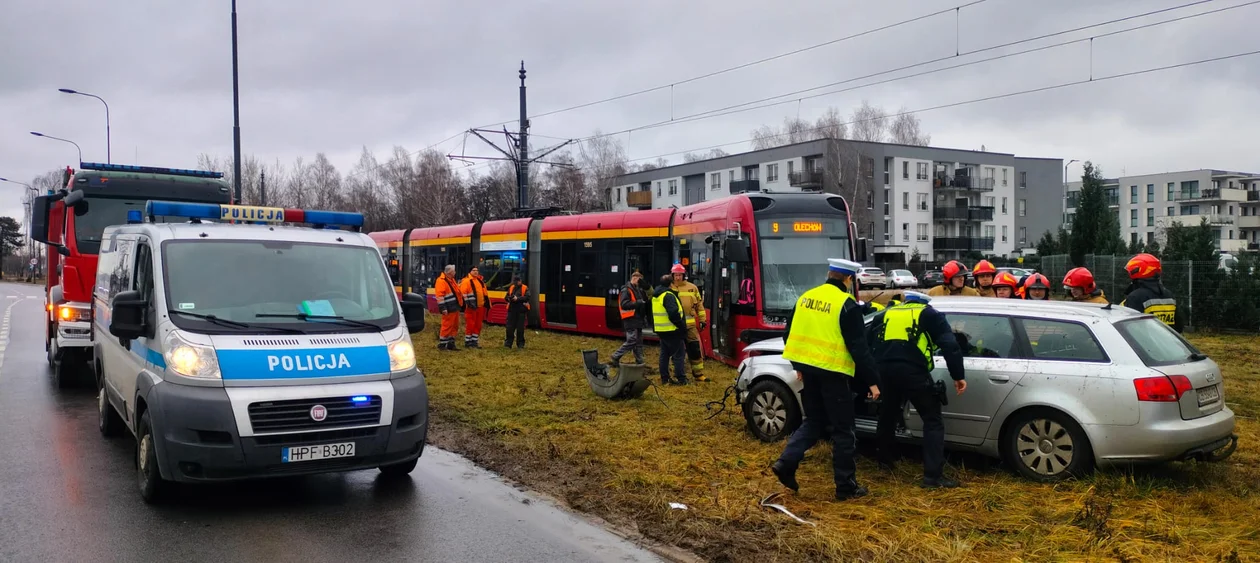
(902, 279)
(932, 278)
(872, 277)
(1054, 389)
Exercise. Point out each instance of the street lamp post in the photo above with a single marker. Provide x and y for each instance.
(76, 145)
(107, 150)
(236, 114)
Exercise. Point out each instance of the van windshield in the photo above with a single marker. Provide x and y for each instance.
(277, 284)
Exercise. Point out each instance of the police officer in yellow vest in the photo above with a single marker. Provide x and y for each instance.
(671, 328)
(910, 334)
(826, 344)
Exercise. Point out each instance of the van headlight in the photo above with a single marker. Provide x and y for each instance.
(402, 355)
(190, 360)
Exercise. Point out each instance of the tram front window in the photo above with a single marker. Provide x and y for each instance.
(793, 261)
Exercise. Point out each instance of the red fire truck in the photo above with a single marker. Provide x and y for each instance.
(97, 195)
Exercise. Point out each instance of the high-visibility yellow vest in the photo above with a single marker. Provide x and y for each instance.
(660, 317)
(815, 339)
(902, 323)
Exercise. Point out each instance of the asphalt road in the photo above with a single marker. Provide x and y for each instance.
(68, 494)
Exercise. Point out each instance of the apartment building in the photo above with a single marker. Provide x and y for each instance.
(1146, 205)
(939, 203)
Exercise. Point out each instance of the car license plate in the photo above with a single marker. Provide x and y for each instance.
(312, 453)
(1209, 395)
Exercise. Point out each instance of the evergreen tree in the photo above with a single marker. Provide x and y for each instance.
(1095, 228)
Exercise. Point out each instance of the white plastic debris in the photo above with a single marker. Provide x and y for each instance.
(765, 502)
(677, 506)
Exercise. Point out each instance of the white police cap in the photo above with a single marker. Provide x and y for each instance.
(916, 297)
(847, 267)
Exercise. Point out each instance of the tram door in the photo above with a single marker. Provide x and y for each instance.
(719, 296)
(560, 282)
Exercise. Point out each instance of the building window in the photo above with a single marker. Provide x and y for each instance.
(658, 188)
(752, 173)
(1023, 236)
(1189, 210)
(1150, 237)
(1150, 193)
(791, 167)
(1023, 179)
(905, 232)
(1023, 207)
(772, 172)
(921, 231)
(923, 202)
(1133, 194)
(1005, 180)
(989, 231)
(1005, 232)
(922, 171)
(1172, 190)
(887, 196)
(1172, 211)
(1150, 216)
(1004, 206)
(715, 181)
(618, 195)
(989, 201)
(1231, 210)
(673, 187)
(870, 199)
(1190, 189)
(905, 200)
(732, 175)
(887, 235)
(905, 169)
(1133, 219)
(870, 229)
(1132, 238)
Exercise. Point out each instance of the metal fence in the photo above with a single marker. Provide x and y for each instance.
(1210, 296)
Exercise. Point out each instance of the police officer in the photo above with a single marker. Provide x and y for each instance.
(908, 338)
(671, 328)
(1146, 293)
(826, 344)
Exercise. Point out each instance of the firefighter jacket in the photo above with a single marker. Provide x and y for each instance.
(1095, 297)
(473, 290)
(1151, 297)
(446, 289)
(945, 289)
(692, 302)
(985, 291)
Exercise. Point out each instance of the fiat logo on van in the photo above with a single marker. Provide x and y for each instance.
(319, 413)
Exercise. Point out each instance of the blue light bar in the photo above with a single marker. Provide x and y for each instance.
(179, 209)
(334, 218)
(359, 399)
(254, 214)
(134, 216)
(149, 170)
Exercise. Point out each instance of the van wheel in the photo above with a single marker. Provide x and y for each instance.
(153, 488)
(108, 421)
(1046, 445)
(772, 411)
(399, 469)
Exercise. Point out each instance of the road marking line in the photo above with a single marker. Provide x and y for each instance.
(4, 328)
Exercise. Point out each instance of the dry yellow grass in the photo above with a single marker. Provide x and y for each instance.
(530, 414)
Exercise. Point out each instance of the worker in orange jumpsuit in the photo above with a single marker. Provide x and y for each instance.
(449, 304)
(476, 306)
(1080, 283)
(984, 272)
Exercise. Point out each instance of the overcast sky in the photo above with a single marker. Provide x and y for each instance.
(319, 75)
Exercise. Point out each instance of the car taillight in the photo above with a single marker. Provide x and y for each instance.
(1162, 389)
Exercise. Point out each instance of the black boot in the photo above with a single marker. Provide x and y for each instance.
(847, 493)
(939, 483)
(786, 475)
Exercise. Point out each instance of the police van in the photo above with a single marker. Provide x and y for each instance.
(253, 342)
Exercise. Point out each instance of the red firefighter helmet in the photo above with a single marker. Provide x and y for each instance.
(1036, 281)
(1080, 277)
(983, 267)
(1005, 279)
(952, 269)
(1143, 266)
(678, 269)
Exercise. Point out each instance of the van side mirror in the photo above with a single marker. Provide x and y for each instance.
(862, 250)
(127, 315)
(39, 219)
(413, 307)
(736, 250)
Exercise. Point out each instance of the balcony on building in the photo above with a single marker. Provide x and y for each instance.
(1253, 195)
(744, 186)
(806, 179)
(963, 213)
(961, 179)
(641, 199)
(1230, 245)
(1113, 196)
(1253, 246)
(1248, 222)
(963, 244)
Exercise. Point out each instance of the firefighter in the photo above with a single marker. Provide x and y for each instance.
(670, 325)
(1004, 285)
(1080, 284)
(1036, 288)
(476, 305)
(449, 305)
(634, 307)
(984, 272)
(911, 334)
(517, 311)
(826, 344)
(955, 281)
(697, 319)
(1147, 294)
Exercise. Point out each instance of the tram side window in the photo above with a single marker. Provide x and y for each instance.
(699, 267)
(498, 268)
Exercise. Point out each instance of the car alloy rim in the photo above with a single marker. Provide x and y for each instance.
(100, 404)
(144, 455)
(1045, 446)
(769, 412)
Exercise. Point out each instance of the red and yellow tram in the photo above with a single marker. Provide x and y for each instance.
(751, 255)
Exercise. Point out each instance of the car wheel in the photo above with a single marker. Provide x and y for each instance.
(772, 411)
(153, 488)
(63, 371)
(1046, 445)
(399, 469)
(108, 421)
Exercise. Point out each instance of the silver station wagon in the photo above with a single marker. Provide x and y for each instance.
(1054, 389)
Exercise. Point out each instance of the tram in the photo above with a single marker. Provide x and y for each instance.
(750, 254)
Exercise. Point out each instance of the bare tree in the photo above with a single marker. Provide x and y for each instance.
(366, 193)
(493, 196)
(567, 187)
(696, 157)
(602, 159)
(906, 129)
(869, 123)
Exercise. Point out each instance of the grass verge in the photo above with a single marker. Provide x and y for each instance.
(530, 415)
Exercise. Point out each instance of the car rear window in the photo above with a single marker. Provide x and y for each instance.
(1061, 340)
(1155, 342)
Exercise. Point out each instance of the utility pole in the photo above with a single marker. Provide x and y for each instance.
(262, 188)
(236, 114)
(517, 152)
